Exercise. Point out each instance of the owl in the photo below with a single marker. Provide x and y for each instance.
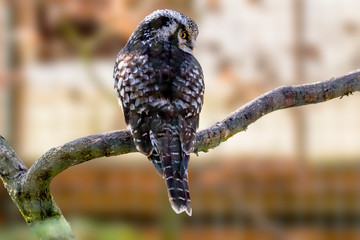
(160, 87)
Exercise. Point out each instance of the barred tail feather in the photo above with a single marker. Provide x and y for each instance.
(175, 178)
(169, 156)
(178, 191)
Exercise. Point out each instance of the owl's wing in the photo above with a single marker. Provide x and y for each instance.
(190, 91)
(187, 134)
(119, 75)
(133, 90)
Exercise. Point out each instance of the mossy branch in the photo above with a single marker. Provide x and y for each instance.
(29, 189)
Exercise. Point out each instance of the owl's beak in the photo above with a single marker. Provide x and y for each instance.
(191, 44)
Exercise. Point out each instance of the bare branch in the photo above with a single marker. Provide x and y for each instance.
(75, 152)
(120, 142)
(280, 98)
(36, 205)
(11, 167)
(30, 190)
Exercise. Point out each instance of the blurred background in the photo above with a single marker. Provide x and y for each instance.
(294, 174)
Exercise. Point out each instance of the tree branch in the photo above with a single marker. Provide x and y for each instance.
(120, 142)
(30, 191)
(280, 98)
(11, 167)
(36, 205)
(75, 152)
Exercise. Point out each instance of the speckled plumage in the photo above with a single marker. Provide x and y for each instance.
(160, 88)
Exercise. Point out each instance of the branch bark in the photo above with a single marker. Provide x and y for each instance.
(29, 189)
(36, 205)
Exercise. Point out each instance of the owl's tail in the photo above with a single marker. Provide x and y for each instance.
(178, 191)
(171, 163)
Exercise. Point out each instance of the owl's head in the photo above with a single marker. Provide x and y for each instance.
(167, 26)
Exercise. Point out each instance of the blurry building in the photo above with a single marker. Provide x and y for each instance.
(291, 167)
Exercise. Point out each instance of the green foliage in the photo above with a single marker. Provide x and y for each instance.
(96, 230)
(52, 227)
(19, 232)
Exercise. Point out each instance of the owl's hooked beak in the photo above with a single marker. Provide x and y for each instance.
(191, 44)
(187, 45)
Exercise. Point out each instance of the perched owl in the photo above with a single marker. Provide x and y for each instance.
(160, 88)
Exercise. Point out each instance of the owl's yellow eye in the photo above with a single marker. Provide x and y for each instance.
(183, 35)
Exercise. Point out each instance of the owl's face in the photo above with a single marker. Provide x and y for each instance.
(167, 27)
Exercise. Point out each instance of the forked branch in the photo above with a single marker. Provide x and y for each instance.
(29, 189)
